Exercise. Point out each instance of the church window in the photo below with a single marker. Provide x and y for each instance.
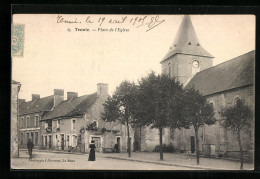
(236, 99)
(189, 43)
(169, 69)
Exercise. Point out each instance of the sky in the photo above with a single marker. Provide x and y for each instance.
(57, 56)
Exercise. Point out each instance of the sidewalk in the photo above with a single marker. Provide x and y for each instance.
(170, 159)
(182, 160)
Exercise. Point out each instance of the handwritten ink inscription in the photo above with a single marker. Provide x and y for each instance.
(148, 22)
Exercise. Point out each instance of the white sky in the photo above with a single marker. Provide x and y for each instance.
(76, 61)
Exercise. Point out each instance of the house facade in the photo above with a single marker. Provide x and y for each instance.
(76, 121)
(15, 87)
(30, 114)
(222, 85)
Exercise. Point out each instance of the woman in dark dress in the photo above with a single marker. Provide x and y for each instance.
(92, 151)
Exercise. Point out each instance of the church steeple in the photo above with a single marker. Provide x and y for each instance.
(186, 41)
(186, 56)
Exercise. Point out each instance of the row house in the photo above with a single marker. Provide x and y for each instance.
(31, 112)
(76, 121)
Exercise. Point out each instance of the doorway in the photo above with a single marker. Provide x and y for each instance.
(32, 137)
(192, 144)
(50, 141)
(62, 141)
(97, 143)
(118, 141)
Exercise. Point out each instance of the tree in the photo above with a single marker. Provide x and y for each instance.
(237, 118)
(197, 112)
(121, 107)
(157, 99)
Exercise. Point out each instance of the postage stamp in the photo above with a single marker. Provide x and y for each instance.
(17, 41)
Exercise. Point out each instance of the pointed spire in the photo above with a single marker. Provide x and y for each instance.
(186, 41)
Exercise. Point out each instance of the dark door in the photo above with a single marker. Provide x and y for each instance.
(50, 142)
(32, 136)
(118, 142)
(45, 139)
(192, 144)
(62, 141)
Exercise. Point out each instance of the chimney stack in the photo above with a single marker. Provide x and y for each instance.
(58, 96)
(102, 89)
(20, 101)
(35, 96)
(71, 95)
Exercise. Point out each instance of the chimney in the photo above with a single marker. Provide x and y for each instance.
(71, 95)
(20, 101)
(102, 89)
(35, 96)
(58, 96)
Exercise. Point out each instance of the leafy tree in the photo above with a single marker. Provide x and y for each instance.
(121, 107)
(197, 112)
(237, 118)
(157, 99)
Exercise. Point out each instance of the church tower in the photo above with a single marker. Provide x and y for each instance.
(186, 56)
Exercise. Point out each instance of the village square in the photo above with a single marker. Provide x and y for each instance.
(192, 116)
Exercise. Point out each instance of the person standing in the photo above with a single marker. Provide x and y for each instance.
(92, 151)
(30, 146)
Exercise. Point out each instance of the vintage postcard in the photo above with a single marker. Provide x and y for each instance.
(132, 92)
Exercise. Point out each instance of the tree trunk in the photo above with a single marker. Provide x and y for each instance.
(197, 145)
(161, 147)
(140, 139)
(128, 139)
(241, 150)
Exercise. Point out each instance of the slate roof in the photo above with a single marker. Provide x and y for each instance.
(73, 107)
(186, 41)
(234, 73)
(38, 105)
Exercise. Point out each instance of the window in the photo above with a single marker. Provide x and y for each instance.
(56, 139)
(27, 121)
(21, 138)
(74, 140)
(36, 121)
(21, 122)
(58, 124)
(68, 140)
(73, 124)
(46, 125)
(169, 69)
(236, 100)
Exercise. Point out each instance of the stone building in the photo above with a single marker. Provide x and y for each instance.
(76, 121)
(222, 85)
(15, 87)
(31, 112)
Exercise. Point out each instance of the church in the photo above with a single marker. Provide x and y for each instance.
(221, 84)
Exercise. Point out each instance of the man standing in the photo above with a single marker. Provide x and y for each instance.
(30, 146)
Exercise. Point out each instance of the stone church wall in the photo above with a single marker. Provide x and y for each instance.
(224, 140)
